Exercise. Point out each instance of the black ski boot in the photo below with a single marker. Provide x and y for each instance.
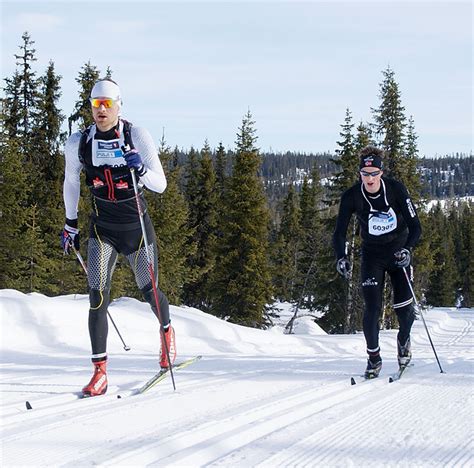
(404, 353)
(374, 366)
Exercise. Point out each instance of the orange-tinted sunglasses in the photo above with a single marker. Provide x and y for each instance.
(108, 103)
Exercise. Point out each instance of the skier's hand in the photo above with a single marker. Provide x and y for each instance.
(402, 258)
(70, 236)
(134, 161)
(343, 267)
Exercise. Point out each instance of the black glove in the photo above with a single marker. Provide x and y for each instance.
(402, 258)
(343, 267)
(134, 161)
(70, 236)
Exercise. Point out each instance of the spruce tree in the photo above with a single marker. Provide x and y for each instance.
(409, 166)
(11, 114)
(242, 282)
(203, 222)
(82, 115)
(37, 265)
(442, 286)
(28, 95)
(363, 137)
(390, 124)
(169, 213)
(465, 260)
(346, 315)
(221, 168)
(14, 195)
(347, 162)
(287, 249)
(48, 174)
(220, 165)
(316, 258)
(191, 184)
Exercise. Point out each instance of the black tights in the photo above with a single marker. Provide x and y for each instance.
(373, 271)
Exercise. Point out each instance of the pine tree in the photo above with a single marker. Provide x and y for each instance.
(242, 282)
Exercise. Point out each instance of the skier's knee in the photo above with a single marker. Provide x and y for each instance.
(406, 316)
(99, 299)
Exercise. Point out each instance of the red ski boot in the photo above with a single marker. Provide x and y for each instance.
(168, 334)
(98, 383)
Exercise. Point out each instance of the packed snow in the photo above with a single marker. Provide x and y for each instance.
(256, 398)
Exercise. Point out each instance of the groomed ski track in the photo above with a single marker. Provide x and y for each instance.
(258, 409)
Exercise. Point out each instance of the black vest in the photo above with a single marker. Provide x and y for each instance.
(113, 198)
(107, 182)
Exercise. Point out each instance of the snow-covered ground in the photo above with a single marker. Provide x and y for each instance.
(257, 398)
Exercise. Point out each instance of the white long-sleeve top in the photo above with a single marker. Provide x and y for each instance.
(154, 179)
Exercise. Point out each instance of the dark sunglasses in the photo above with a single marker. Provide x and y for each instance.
(370, 174)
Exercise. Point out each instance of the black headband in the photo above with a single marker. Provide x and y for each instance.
(371, 160)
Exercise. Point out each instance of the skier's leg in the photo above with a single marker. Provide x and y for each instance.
(403, 305)
(137, 258)
(101, 260)
(140, 265)
(372, 280)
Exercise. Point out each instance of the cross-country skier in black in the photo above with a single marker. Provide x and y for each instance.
(114, 221)
(390, 228)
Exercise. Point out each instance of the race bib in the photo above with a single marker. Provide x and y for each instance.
(107, 152)
(381, 222)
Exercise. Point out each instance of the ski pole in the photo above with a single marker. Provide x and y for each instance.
(84, 267)
(151, 269)
(423, 318)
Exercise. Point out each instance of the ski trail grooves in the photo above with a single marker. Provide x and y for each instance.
(287, 402)
(365, 437)
(221, 434)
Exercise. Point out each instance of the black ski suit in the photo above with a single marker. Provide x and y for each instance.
(388, 222)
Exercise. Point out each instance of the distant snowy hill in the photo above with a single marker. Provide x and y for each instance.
(257, 397)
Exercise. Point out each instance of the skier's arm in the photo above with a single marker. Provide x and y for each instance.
(410, 216)
(154, 178)
(346, 208)
(72, 181)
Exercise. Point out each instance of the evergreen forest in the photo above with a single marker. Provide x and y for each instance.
(238, 229)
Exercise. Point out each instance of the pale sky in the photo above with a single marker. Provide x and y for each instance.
(195, 68)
